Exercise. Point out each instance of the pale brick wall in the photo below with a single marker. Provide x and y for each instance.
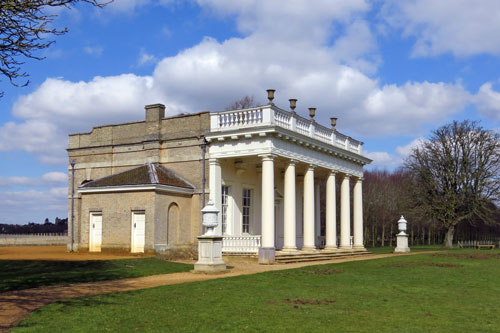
(110, 149)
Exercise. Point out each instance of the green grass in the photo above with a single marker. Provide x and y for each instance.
(415, 248)
(420, 293)
(23, 274)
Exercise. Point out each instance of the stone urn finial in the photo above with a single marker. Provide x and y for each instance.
(312, 113)
(293, 104)
(210, 222)
(270, 95)
(333, 121)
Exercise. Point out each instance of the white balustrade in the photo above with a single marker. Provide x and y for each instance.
(241, 244)
(267, 115)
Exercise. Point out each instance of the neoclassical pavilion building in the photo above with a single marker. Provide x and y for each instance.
(272, 173)
(266, 168)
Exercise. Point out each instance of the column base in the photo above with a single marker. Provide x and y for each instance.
(330, 248)
(289, 249)
(358, 248)
(345, 248)
(267, 255)
(309, 248)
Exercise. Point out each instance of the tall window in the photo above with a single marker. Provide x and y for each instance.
(225, 194)
(247, 201)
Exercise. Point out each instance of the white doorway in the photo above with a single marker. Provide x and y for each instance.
(95, 234)
(138, 232)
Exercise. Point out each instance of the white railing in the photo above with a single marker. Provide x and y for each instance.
(241, 244)
(273, 116)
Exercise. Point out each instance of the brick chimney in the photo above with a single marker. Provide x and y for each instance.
(154, 114)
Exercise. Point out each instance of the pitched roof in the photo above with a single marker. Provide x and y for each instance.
(147, 174)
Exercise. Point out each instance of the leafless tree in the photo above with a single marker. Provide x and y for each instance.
(244, 103)
(456, 175)
(25, 27)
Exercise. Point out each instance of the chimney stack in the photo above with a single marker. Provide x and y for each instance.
(155, 112)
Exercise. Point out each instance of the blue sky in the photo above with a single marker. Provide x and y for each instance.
(391, 71)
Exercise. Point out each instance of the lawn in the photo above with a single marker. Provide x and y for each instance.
(449, 291)
(415, 248)
(23, 274)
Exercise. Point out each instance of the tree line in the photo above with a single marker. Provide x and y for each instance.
(447, 188)
(59, 226)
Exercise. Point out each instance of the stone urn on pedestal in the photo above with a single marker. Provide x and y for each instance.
(210, 244)
(402, 237)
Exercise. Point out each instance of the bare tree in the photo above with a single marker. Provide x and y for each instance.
(244, 103)
(25, 27)
(456, 174)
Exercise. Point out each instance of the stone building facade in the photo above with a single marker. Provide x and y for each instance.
(270, 172)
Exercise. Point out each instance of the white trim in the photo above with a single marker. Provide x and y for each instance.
(156, 187)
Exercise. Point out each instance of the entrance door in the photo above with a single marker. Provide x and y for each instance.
(138, 232)
(95, 234)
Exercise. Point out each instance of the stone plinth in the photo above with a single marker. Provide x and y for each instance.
(210, 255)
(402, 243)
(267, 255)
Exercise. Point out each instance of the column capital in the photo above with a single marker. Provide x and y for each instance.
(359, 179)
(267, 157)
(311, 167)
(346, 175)
(333, 172)
(214, 161)
(292, 162)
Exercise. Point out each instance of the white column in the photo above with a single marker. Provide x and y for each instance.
(358, 214)
(331, 213)
(267, 219)
(309, 209)
(290, 209)
(215, 183)
(345, 215)
(317, 213)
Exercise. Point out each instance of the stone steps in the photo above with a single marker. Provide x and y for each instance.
(290, 257)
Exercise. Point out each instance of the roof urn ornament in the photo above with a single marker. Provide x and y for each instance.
(293, 104)
(270, 95)
(333, 121)
(312, 113)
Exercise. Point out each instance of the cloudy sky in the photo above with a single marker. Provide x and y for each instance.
(391, 71)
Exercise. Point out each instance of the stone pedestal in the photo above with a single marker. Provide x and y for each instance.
(402, 243)
(210, 255)
(267, 255)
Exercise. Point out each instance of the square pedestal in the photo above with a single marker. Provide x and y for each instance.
(267, 255)
(210, 255)
(402, 244)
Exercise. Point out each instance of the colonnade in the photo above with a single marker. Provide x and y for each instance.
(310, 203)
(267, 218)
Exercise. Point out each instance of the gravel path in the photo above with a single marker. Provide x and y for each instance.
(16, 305)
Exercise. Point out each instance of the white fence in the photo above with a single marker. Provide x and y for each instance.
(241, 244)
(473, 243)
(33, 239)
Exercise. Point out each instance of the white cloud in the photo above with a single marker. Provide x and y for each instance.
(381, 160)
(146, 58)
(462, 27)
(385, 160)
(93, 50)
(20, 207)
(488, 101)
(48, 179)
(311, 60)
